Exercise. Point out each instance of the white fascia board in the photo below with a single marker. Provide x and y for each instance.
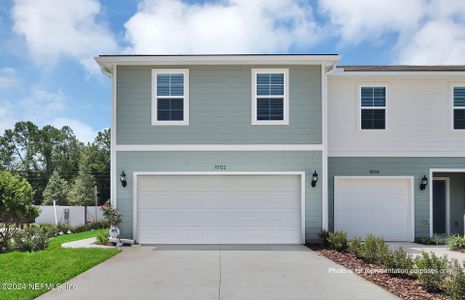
(424, 74)
(106, 62)
(397, 154)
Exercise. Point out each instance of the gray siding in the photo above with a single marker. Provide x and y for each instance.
(235, 161)
(401, 166)
(220, 108)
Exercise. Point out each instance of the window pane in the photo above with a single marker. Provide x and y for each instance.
(170, 109)
(459, 118)
(373, 97)
(459, 96)
(170, 84)
(270, 109)
(373, 119)
(270, 84)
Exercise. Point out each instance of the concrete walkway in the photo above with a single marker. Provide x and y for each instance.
(439, 250)
(85, 243)
(219, 272)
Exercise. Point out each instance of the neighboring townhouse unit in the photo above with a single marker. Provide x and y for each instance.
(396, 147)
(218, 149)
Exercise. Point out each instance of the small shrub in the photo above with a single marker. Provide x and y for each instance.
(64, 228)
(374, 248)
(103, 239)
(324, 237)
(32, 238)
(102, 224)
(399, 262)
(50, 230)
(338, 241)
(439, 239)
(356, 247)
(456, 242)
(112, 216)
(431, 271)
(456, 286)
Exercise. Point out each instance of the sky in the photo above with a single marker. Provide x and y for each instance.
(47, 47)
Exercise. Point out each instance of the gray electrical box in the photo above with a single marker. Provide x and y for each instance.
(66, 215)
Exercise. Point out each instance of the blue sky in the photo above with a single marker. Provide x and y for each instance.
(48, 76)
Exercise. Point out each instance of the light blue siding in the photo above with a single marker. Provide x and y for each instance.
(306, 161)
(402, 166)
(220, 108)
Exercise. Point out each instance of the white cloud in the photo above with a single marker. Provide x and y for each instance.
(426, 31)
(8, 78)
(83, 132)
(41, 105)
(54, 28)
(230, 26)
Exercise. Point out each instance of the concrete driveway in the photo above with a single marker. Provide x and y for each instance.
(219, 272)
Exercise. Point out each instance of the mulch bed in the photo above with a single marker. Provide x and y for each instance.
(406, 288)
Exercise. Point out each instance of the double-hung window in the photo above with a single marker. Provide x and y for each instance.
(170, 97)
(270, 97)
(459, 107)
(373, 107)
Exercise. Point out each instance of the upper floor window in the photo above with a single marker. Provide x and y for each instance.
(170, 97)
(459, 107)
(373, 107)
(270, 97)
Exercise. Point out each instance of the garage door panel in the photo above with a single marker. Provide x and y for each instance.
(219, 209)
(378, 205)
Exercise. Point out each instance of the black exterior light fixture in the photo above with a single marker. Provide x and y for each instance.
(424, 183)
(314, 179)
(123, 180)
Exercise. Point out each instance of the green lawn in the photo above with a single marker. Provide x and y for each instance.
(53, 265)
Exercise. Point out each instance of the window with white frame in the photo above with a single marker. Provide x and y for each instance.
(270, 97)
(170, 97)
(373, 107)
(459, 107)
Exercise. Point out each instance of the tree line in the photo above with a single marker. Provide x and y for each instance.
(57, 165)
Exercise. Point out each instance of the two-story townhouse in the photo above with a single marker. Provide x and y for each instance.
(396, 147)
(274, 148)
(219, 148)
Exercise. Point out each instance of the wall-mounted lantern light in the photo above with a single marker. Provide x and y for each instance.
(424, 183)
(314, 179)
(123, 180)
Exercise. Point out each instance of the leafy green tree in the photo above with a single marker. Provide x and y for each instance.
(56, 190)
(16, 208)
(99, 163)
(82, 189)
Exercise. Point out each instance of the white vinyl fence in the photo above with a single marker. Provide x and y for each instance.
(72, 215)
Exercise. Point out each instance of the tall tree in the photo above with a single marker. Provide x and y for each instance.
(82, 189)
(99, 163)
(56, 190)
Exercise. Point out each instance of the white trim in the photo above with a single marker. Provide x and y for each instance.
(360, 107)
(113, 165)
(324, 154)
(431, 176)
(453, 107)
(396, 154)
(412, 194)
(185, 97)
(106, 62)
(367, 74)
(226, 147)
(285, 97)
(299, 173)
(447, 220)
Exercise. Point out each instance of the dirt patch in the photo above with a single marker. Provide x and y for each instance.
(404, 287)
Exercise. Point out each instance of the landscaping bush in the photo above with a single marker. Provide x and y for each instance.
(456, 285)
(103, 239)
(102, 224)
(32, 238)
(324, 237)
(456, 242)
(398, 261)
(373, 249)
(64, 228)
(50, 230)
(338, 241)
(431, 271)
(356, 247)
(439, 239)
(112, 216)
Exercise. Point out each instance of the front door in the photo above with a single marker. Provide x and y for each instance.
(439, 206)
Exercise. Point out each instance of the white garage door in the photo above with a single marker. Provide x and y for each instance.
(376, 205)
(218, 209)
